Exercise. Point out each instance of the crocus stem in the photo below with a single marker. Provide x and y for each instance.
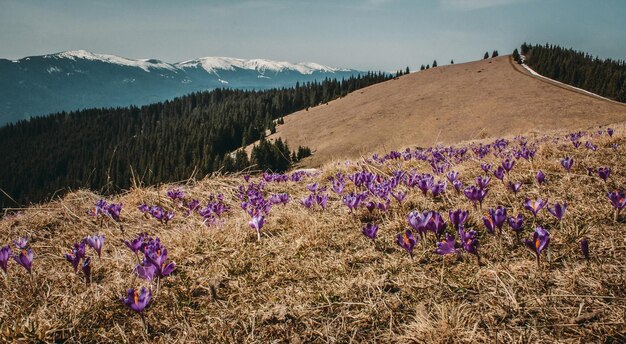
(144, 322)
(32, 282)
(443, 268)
(158, 286)
(258, 235)
(615, 216)
(538, 263)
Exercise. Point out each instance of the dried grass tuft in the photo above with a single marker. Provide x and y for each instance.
(314, 278)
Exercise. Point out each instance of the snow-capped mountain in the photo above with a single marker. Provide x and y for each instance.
(79, 79)
(215, 64)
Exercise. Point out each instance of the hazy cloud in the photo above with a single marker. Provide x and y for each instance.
(470, 5)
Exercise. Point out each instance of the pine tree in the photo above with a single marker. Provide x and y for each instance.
(486, 56)
(407, 71)
(451, 62)
(516, 56)
(422, 67)
(434, 63)
(494, 54)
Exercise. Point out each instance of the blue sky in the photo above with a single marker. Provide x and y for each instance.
(362, 34)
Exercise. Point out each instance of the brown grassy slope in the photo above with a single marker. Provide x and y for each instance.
(448, 104)
(314, 278)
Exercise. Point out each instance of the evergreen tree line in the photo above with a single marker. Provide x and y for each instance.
(104, 149)
(604, 77)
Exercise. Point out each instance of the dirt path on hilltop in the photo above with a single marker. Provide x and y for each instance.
(558, 84)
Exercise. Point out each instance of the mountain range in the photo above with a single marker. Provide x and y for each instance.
(72, 80)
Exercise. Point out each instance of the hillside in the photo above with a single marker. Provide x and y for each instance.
(443, 105)
(314, 277)
(102, 149)
(75, 80)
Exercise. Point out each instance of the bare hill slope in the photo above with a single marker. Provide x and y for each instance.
(446, 105)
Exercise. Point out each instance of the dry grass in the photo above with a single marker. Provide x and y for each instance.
(314, 278)
(447, 104)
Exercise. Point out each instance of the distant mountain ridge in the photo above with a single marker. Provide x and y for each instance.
(72, 80)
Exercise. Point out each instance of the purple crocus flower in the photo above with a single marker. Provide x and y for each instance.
(96, 242)
(161, 215)
(516, 223)
(308, 201)
(352, 200)
(485, 167)
(425, 183)
(489, 224)
(436, 224)
(370, 230)
(447, 246)
(322, 200)
(540, 177)
(338, 184)
(539, 242)
(176, 195)
(407, 241)
(418, 221)
(257, 223)
(399, 196)
(558, 210)
(591, 146)
(21, 243)
(618, 200)
(458, 217)
(499, 173)
(156, 254)
(567, 163)
(383, 206)
(145, 271)
(25, 259)
(144, 208)
(515, 187)
(281, 198)
(469, 241)
(483, 182)
(370, 206)
(77, 253)
(99, 209)
(137, 301)
(458, 185)
(86, 268)
(604, 172)
(313, 187)
(508, 164)
(5, 253)
(584, 247)
(192, 205)
(610, 131)
(534, 206)
(498, 216)
(452, 176)
(438, 188)
(113, 210)
(136, 244)
(476, 195)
